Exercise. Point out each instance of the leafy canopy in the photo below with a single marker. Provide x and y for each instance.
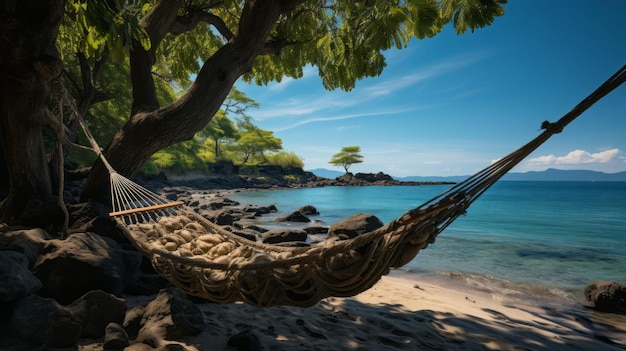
(344, 39)
(348, 156)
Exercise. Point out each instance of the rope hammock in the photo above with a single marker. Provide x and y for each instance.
(205, 260)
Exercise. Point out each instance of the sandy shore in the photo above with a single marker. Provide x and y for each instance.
(420, 313)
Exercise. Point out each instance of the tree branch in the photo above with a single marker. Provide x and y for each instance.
(156, 24)
(186, 23)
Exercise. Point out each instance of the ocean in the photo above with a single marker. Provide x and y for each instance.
(542, 239)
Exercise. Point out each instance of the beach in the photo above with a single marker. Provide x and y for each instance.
(403, 312)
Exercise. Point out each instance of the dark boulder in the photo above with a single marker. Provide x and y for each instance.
(30, 242)
(353, 226)
(95, 310)
(308, 210)
(607, 296)
(296, 216)
(170, 316)
(278, 236)
(40, 320)
(84, 262)
(115, 338)
(17, 280)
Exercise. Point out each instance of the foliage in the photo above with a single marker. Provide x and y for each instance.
(285, 159)
(344, 39)
(348, 156)
(180, 158)
(292, 178)
(254, 143)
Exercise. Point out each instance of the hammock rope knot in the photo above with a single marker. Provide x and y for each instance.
(552, 128)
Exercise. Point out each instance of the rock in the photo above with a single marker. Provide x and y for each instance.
(44, 321)
(313, 230)
(277, 236)
(95, 310)
(245, 234)
(115, 338)
(171, 315)
(256, 228)
(245, 341)
(308, 210)
(224, 218)
(353, 226)
(17, 280)
(260, 210)
(607, 296)
(371, 177)
(84, 262)
(93, 217)
(132, 320)
(29, 242)
(296, 216)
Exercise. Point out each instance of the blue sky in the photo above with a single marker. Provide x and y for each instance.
(450, 105)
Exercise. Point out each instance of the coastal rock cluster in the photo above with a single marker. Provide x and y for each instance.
(59, 290)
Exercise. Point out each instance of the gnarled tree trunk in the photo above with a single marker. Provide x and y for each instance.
(28, 31)
(149, 129)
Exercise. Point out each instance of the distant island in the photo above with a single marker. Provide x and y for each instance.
(550, 174)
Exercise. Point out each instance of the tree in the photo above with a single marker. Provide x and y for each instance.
(215, 42)
(348, 156)
(256, 142)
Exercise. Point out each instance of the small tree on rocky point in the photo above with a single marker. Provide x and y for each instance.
(348, 156)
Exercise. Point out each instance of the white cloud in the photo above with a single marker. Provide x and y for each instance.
(577, 157)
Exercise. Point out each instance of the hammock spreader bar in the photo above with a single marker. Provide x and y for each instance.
(205, 260)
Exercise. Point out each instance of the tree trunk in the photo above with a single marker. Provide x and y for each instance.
(28, 30)
(148, 132)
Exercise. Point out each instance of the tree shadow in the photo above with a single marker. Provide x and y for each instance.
(348, 324)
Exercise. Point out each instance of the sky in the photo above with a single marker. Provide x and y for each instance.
(452, 104)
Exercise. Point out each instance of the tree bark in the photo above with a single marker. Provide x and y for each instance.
(28, 31)
(150, 131)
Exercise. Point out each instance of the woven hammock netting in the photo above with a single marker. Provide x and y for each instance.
(205, 260)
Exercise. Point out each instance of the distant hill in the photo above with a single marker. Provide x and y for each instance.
(326, 173)
(550, 174)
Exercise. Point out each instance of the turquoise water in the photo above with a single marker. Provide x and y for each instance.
(541, 237)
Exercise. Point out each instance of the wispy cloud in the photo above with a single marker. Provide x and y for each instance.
(303, 106)
(339, 117)
(390, 86)
(577, 157)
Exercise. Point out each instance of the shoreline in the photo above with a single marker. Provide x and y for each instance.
(399, 313)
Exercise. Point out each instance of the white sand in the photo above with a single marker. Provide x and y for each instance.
(402, 314)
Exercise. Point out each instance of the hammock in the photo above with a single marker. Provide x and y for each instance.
(205, 260)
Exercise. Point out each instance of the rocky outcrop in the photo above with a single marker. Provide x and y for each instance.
(607, 296)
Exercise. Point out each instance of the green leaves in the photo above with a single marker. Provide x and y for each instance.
(471, 14)
(346, 40)
(91, 25)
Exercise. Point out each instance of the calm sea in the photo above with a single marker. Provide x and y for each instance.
(539, 238)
